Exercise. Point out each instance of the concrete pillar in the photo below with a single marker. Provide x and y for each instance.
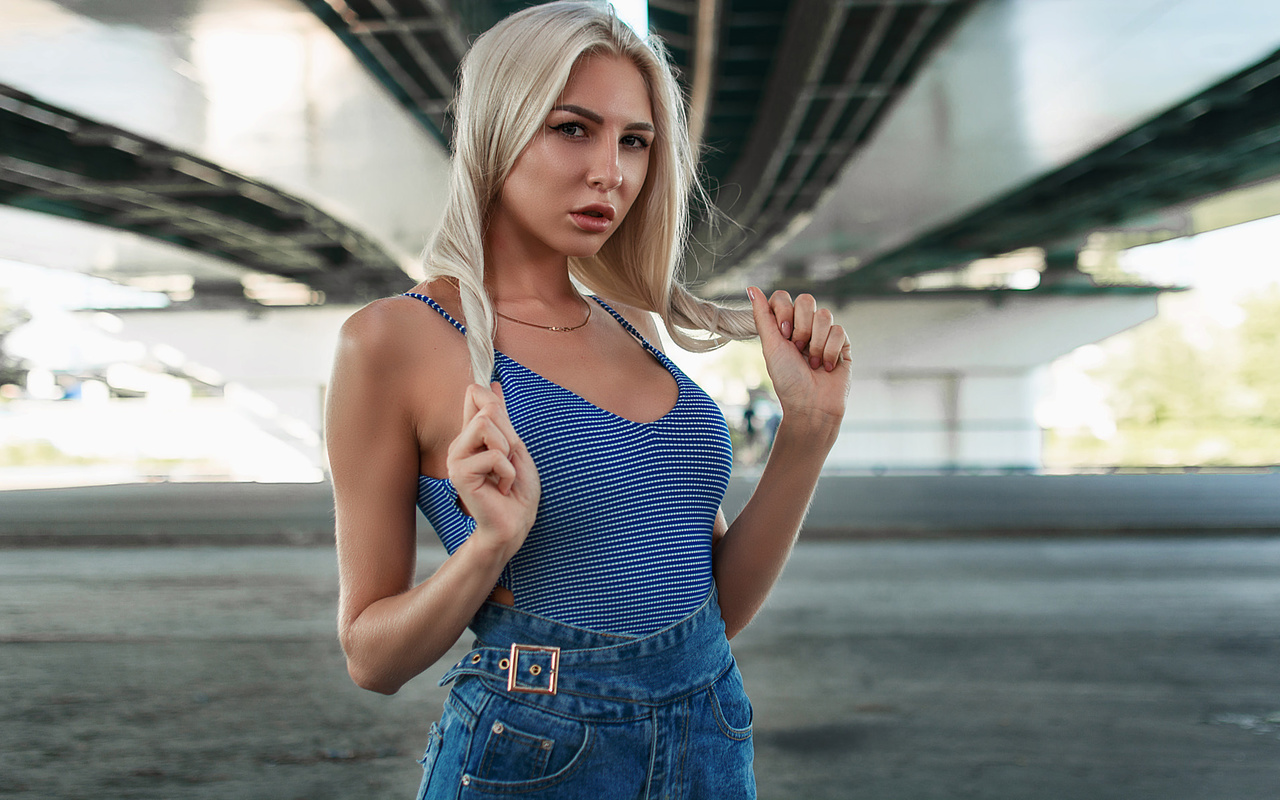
(950, 380)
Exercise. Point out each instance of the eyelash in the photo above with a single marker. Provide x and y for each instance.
(640, 143)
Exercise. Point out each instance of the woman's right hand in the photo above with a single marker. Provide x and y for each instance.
(489, 466)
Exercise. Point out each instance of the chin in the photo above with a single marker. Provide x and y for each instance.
(585, 249)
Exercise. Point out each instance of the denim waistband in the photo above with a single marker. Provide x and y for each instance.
(654, 669)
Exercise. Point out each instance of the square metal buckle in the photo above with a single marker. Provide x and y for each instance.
(554, 669)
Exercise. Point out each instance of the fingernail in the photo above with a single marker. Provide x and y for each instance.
(814, 361)
(799, 346)
(829, 365)
(786, 328)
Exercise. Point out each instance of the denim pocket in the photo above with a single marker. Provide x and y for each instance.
(526, 749)
(428, 760)
(512, 754)
(731, 706)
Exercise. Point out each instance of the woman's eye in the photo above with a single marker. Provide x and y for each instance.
(637, 142)
(572, 129)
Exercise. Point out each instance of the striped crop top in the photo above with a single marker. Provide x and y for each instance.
(622, 539)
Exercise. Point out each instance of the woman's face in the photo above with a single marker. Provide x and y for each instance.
(574, 183)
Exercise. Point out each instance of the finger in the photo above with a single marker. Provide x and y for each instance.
(489, 434)
(503, 421)
(476, 398)
(836, 349)
(488, 466)
(481, 433)
(504, 475)
(806, 307)
(493, 406)
(526, 470)
(818, 340)
(784, 310)
(766, 322)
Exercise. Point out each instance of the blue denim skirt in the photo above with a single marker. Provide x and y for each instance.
(542, 710)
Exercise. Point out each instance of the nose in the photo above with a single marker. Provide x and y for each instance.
(606, 172)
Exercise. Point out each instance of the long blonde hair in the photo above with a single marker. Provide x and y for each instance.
(510, 80)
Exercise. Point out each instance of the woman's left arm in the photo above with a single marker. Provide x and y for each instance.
(807, 357)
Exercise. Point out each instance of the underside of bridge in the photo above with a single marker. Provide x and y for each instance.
(1225, 137)
(783, 96)
(55, 161)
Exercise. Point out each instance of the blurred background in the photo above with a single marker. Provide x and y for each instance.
(1050, 241)
(1051, 245)
(1041, 562)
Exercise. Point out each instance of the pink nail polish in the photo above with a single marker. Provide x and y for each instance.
(786, 329)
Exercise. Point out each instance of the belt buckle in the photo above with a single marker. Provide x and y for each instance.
(516, 650)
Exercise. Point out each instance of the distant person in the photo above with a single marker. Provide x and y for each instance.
(574, 474)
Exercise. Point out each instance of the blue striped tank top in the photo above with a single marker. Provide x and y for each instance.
(622, 539)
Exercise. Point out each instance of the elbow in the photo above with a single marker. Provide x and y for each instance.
(733, 622)
(374, 681)
(733, 628)
(735, 616)
(365, 674)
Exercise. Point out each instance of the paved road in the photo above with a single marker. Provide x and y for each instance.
(1005, 669)
(845, 506)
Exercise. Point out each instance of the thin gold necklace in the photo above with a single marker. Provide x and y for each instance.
(549, 327)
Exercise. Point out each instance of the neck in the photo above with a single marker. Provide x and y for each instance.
(550, 287)
(513, 274)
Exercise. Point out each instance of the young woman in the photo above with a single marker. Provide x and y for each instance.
(572, 471)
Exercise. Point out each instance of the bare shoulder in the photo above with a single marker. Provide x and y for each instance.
(399, 378)
(406, 354)
(397, 332)
(644, 321)
(374, 334)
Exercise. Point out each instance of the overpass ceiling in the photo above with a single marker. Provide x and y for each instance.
(791, 87)
(797, 88)
(785, 92)
(413, 47)
(1222, 138)
(61, 163)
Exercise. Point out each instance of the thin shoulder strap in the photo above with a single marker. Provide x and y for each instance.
(462, 328)
(630, 329)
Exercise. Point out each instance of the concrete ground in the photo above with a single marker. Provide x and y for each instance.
(1047, 668)
(844, 507)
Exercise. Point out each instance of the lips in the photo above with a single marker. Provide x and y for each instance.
(594, 218)
(598, 210)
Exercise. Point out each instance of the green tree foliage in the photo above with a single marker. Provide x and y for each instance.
(1184, 390)
(1258, 358)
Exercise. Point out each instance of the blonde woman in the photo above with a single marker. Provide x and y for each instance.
(572, 471)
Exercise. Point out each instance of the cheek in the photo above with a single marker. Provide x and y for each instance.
(636, 174)
(537, 164)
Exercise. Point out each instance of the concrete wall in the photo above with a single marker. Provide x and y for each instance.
(951, 381)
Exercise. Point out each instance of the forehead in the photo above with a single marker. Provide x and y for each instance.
(611, 86)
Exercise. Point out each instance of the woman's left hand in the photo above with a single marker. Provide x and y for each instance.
(807, 356)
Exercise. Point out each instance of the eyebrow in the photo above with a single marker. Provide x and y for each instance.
(599, 120)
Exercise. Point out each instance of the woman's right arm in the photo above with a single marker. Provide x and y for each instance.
(390, 629)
